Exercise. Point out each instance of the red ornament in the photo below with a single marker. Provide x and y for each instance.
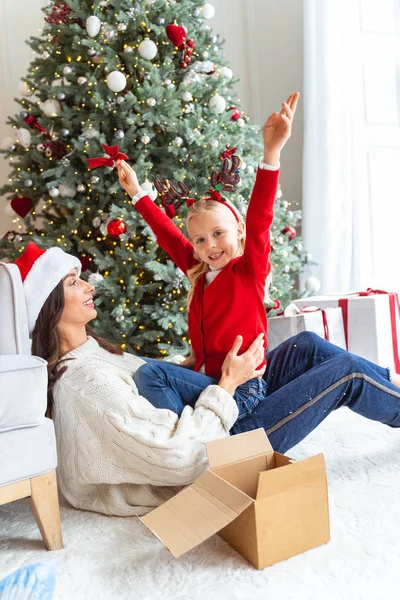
(176, 34)
(116, 227)
(291, 231)
(59, 15)
(190, 43)
(22, 205)
(235, 113)
(86, 262)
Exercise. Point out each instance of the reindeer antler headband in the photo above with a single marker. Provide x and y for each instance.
(224, 181)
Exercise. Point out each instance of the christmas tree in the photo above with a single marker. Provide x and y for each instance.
(149, 76)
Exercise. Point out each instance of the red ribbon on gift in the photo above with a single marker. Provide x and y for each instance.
(393, 302)
(113, 153)
(307, 309)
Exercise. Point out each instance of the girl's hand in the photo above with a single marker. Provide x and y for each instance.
(277, 130)
(239, 369)
(128, 178)
(190, 361)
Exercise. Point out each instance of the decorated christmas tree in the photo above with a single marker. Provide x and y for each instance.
(149, 76)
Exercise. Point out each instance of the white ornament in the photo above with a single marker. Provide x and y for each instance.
(187, 97)
(90, 133)
(151, 101)
(190, 107)
(25, 89)
(145, 139)
(147, 49)
(67, 191)
(116, 81)
(250, 169)
(24, 137)
(95, 278)
(93, 25)
(50, 107)
(226, 73)
(54, 192)
(215, 144)
(178, 141)
(82, 80)
(9, 210)
(208, 11)
(147, 186)
(7, 142)
(67, 70)
(240, 122)
(217, 104)
(312, 285)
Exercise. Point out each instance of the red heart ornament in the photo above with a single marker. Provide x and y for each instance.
(176, 34)
(22, 205)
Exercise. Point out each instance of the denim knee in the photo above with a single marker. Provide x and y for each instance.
(146, 373)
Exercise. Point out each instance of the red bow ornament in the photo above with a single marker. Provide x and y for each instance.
(227, 153)
(113, 155)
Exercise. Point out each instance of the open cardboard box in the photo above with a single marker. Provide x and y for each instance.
(265, 505)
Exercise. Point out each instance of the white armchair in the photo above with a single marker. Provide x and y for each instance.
(28, 455)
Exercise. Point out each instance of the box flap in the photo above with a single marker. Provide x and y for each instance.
(237, 447)
(196, 513)
(276, 481)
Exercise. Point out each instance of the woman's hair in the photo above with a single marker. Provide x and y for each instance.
(46, 342)
(198, 208)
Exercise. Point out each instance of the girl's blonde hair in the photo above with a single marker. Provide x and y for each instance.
(199, 208)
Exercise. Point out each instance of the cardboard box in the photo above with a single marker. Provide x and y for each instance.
(328, 324)
(371, 324)
(264, 504)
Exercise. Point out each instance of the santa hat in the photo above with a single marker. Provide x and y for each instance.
(41, 271)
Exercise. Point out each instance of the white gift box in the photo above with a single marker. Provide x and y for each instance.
(326, 323)
(371, 323)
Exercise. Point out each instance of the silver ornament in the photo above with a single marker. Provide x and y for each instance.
(67, 70)
(196, 13)
(82, 80)
(65, 132)
(151, 101)
(96, 221)
(61, 96)
(28, 183)
(119, 134)
(95, 278)
(120, 100)
(178, 141)
(91, 52)
(119, 318)
(128, 49)
(147, 76)
(145, 139)
(23, 114)
(94, 179)
(160, 21)
(54, 192)
(103, 229)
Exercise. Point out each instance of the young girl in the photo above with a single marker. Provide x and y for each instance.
(226, 261)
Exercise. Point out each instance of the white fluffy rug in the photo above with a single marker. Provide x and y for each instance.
(112, 558)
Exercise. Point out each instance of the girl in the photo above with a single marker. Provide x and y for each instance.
(227, 275)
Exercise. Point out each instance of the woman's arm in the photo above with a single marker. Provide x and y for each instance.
(155, 446)
(169, 237)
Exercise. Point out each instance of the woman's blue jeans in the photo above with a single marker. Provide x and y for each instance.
(306, 379)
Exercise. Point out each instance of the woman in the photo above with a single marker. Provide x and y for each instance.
(121, 456)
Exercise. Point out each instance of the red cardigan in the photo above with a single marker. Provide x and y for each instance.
(233, 303)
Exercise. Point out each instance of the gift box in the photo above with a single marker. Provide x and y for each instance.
(370, 320)
(327, 323)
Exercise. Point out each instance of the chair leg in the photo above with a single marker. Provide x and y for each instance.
(46, 510)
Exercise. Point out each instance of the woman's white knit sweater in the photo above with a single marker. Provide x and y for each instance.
(118, 454)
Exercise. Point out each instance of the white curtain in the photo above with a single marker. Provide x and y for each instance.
(339, 203)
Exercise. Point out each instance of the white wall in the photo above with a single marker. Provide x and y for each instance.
(263, 45)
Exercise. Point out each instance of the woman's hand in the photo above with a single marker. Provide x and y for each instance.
(128, 178)
(277, 130)
(190, 361)
(239, 369)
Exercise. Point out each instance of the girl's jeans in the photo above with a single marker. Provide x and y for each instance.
(306, 379)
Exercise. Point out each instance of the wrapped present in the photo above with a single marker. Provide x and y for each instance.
(326, 323)
(371, 323)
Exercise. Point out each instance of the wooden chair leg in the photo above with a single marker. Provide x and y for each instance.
(46, 509)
